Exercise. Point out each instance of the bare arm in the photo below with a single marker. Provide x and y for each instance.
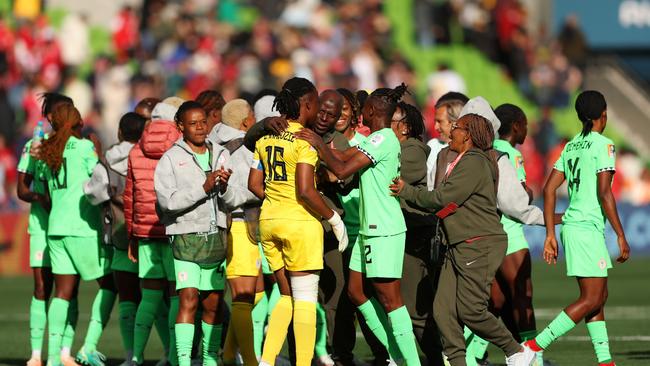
(307, 191)
(608, 203)
(23, 191)
(256, 182)
(550, 188)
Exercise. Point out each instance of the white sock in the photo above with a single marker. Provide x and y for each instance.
(36, 354)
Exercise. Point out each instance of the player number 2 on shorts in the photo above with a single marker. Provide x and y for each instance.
(275, 162)
(574, 174)
(368, 251)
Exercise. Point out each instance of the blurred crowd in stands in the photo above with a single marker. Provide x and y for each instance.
(240, 47)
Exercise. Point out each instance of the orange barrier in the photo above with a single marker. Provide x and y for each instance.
(14, 243)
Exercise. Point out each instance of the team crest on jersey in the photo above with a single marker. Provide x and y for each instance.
(377, 139)
(611, 150)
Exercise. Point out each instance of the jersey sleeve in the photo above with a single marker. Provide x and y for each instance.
(305, 153)
(519, 167)
(559, 164)
(27, 163)
(89, 156)
(605, 157)
(257, 159)
(372, 147)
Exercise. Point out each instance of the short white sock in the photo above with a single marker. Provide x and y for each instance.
(36, 353)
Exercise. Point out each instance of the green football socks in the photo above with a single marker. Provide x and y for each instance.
(184, 338)
(171, 321)
(320, 349)
(57, 316)
(259, 314)
(70, 326)
(144, 319)
(161, 324)
(37, 323)
(99, 315)
(127, 310)
(211, 342)
(403, 332)
(558, 327)
(598, 333)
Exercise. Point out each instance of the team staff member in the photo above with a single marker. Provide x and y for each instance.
(292, 207)
(379, 250)
(588, 164)
(243, 257)
(75, 248)
(408, 126)
(196, 222)
(476, 240)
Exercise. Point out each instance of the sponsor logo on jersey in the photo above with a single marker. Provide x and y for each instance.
(611, 150)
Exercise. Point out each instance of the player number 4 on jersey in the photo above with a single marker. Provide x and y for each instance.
(574, 174)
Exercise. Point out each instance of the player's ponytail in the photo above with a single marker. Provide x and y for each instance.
(50, 100)
(590, 105)
(287, 102)
(389, 97)
(65, 118)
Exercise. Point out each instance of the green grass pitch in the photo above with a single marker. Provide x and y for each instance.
(627, 313)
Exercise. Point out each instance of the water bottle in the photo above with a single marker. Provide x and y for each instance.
(38, 135)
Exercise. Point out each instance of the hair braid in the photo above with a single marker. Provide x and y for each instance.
(388, 98)
(65, 118)
(287, 102)
(482, 134)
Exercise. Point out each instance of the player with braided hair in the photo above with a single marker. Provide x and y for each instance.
(378, 253)
(290, 230)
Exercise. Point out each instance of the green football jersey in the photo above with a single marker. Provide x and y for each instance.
(380, 213)
(581, 160)
(72, 214)
(350, 201)
(204, 160)
(37, 215)
(511, 227)
(515, 157)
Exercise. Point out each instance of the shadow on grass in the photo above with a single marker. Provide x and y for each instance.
(635, 355)
(22, 362)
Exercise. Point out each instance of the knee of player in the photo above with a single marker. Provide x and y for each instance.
(188, 300)
(471, 313)
(389, 303)
(305, 288)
